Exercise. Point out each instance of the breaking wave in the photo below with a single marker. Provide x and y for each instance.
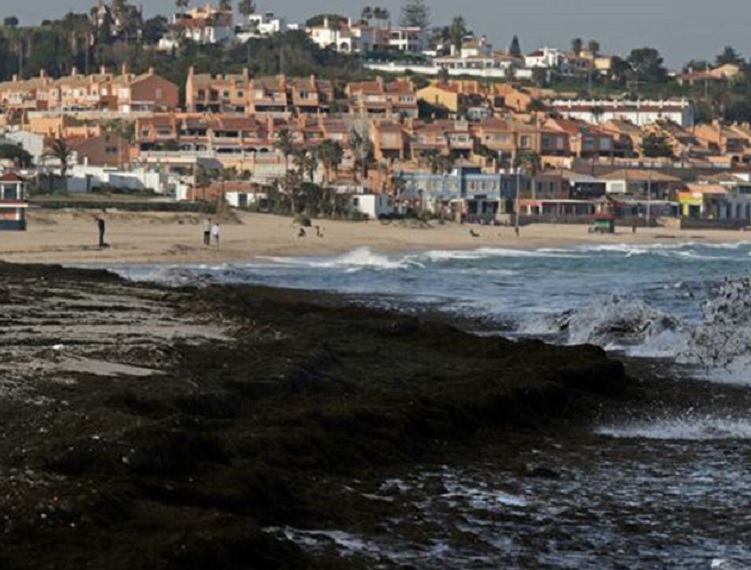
(689, 427)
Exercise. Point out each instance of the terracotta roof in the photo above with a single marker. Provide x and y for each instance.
(11, 177)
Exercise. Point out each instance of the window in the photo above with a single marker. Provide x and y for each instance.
(525, 142)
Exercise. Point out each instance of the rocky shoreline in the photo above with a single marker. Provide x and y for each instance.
(153, 427)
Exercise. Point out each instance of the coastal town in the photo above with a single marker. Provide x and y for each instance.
(435, 123)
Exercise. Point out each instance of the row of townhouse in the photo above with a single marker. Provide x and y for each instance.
(500, 140)
(283, 96)
(103, 91)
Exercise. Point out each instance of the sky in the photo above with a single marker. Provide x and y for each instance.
(680, 29)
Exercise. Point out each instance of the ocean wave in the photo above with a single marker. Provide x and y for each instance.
(362, 257)
(689, 427)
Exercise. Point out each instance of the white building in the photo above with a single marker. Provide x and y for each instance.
(261, 25)
(406, 39)
(640, 113)
(85, 179)
(202, 25)
(545, 58)
(372, 205)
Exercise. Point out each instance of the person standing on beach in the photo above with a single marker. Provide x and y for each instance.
(215, 234)
(101, 227)
(207, 232)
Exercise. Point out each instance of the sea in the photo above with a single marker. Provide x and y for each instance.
(657, 490)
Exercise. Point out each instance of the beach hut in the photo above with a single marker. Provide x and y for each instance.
(603, 223)
(13, 202)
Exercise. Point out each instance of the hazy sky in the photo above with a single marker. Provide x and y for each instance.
(680, 29)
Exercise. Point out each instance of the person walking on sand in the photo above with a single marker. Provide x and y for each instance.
(101, 227)
(207, 232)
(215, 234)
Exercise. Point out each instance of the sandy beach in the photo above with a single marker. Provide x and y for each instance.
(71, 238)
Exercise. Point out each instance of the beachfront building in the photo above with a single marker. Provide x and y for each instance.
(640, 112)
(465, 193)
(13, 202)
(374, 206)
(644, 183)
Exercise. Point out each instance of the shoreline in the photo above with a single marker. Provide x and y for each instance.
(192, 421)
(201, 415)
(69, 238)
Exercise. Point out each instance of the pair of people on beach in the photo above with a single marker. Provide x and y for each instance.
(211, 233)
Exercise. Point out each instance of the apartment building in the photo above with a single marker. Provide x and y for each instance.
(277, 96)
(103, 91)
(380, 99)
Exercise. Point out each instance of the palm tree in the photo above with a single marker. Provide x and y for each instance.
(181, 4)
(576, 45)
(285, 144)
(306, 162)
(291, 186)
(246, 7)
(530, 163)
(445, 163)
(361, 148)
(367, 13)
(204, 177)
(225, 5)
(457, 31)
(60, 151)
(311, 163)
(331, 155)
(432, 157)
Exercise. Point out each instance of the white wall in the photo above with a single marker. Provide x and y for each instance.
(374, 205)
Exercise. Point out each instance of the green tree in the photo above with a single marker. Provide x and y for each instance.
(593, 47)
(60, 151)
(361, 148)
(10, 22)
(306, 161)
(181, 4)
(367, 13)
(432, 156)
(515, 49)
(729, 55)
(536, 106)
(577, 44)
(457, 31)
(17, 154)
(648, 65)
(531, 164)
(154, 29)
(656, 146)
(291, 185)
(285, 144)
(225, 5)
(246, 7)
(415, 13)
(331, 156)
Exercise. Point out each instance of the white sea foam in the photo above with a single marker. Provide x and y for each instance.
(689, 427)
(362, 257)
